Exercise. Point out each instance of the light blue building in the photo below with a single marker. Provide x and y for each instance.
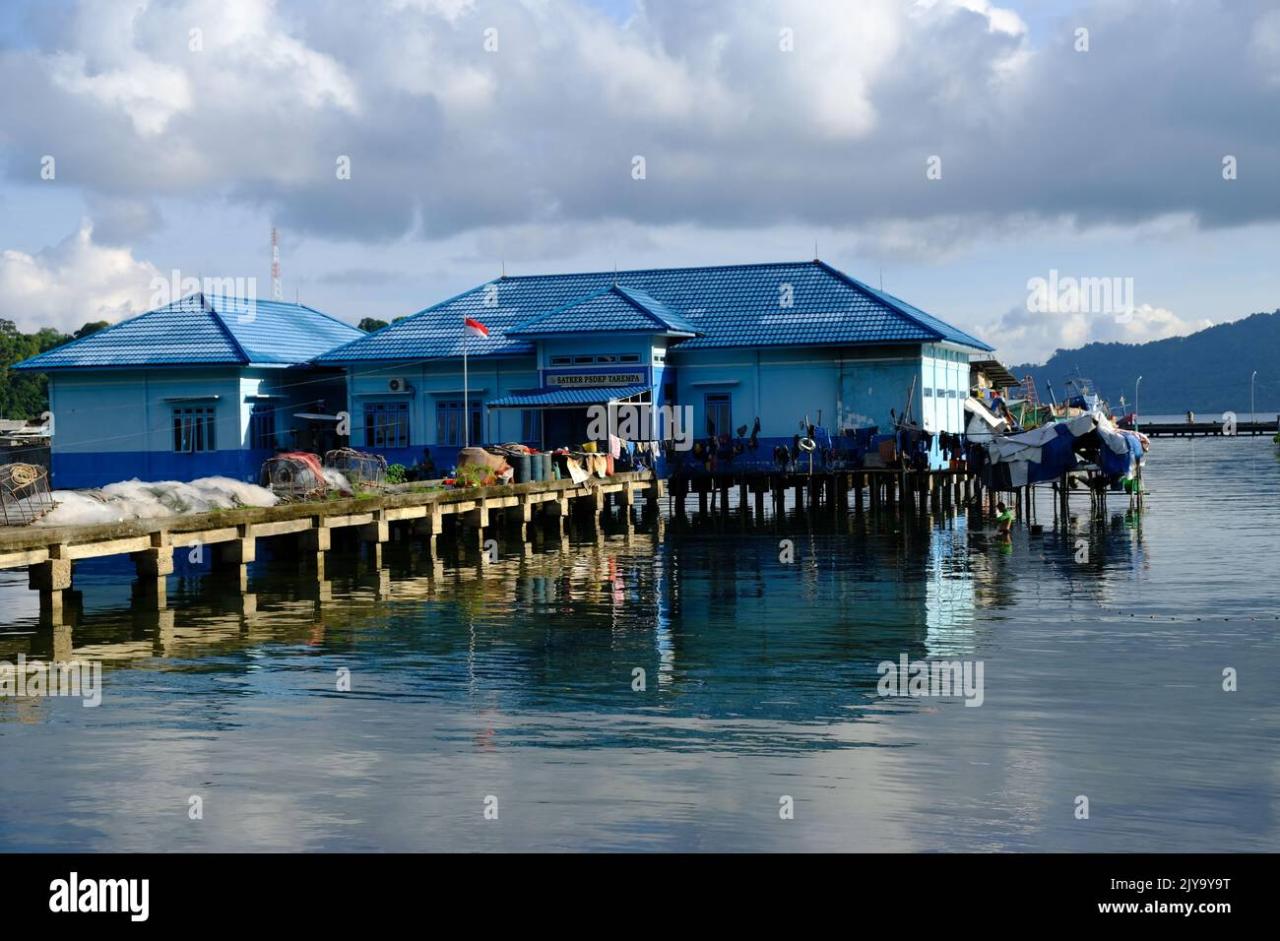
(206, 385)
(789, 344)
(213, 385)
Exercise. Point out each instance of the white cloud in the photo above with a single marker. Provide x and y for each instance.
(737, 131)
(525, 153)
(148, 92)
(1265, 46)
(451, 10)
(252, 62)
(1025, 336)
(72, 283)
(999, 19)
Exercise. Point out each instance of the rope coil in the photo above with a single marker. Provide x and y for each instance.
(24, 474)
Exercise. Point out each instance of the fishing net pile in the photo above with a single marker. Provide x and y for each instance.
(139, 500)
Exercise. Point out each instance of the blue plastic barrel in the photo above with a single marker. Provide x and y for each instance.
(521, 464)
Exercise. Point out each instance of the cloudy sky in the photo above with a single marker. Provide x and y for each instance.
(955, 149)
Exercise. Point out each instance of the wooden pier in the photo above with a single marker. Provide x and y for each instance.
(466, 518)
(880, 491)
(1208, 429)
(50, 553)
(874, 489)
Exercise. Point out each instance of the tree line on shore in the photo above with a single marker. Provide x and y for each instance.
(25, 395)
(1206, 372)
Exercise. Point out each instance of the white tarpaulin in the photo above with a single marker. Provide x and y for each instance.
(982, 424)
(1018, 452)
(1111, 437)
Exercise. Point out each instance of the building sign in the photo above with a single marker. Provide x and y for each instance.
(580, 380)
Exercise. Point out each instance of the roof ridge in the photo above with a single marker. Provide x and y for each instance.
(889, 301)
(568, 305)
(628, 295)
(222, 325)
(620, 273)
(407, 318)
(633, 297)
(907, 307)
(337, 320)
(653, 315)
(295, 305)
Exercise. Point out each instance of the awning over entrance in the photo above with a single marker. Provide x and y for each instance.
(569, 398)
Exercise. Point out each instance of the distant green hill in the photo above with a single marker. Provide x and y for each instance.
(1207, 372)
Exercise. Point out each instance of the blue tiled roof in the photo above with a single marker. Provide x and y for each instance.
(205, 330)
(556, 397)
(781, 304)
(614, 309)
(947, 331)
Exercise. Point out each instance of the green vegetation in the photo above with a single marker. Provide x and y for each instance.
(91, 327)
(395, 474)
(370, 324)
(474, 475)
(23, 394)
(1205, 372)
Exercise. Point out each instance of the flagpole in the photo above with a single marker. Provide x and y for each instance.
(466, 396)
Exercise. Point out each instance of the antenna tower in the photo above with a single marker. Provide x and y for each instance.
(277, 292)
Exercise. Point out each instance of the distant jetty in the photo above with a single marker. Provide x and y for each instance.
(1209, 429)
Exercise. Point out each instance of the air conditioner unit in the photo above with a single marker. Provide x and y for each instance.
(399, 384)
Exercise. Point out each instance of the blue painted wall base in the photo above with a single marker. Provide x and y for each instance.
(76, 470)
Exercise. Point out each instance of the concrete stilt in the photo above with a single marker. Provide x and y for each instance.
(53, 580)
(375, 535)
(153, 566)
(53, 642)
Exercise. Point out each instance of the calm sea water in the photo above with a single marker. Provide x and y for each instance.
(1102, 678)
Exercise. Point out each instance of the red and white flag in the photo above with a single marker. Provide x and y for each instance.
(475, 328)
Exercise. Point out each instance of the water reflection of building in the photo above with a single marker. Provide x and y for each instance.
(949, 594)
(721, 626)
(758, 636)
